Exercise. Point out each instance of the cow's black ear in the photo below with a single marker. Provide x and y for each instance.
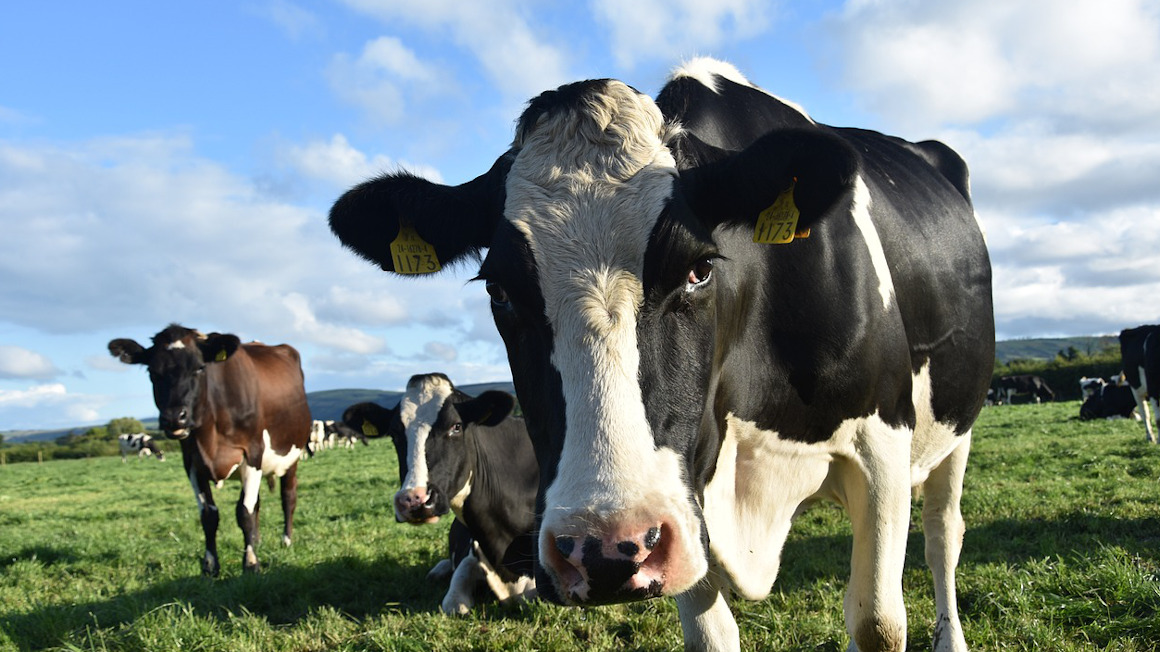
(447, 223)
(816, 169)
(371, 419)
(488, 409)
(218, 347)
(129, 351)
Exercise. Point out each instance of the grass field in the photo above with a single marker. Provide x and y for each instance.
(1062, 553)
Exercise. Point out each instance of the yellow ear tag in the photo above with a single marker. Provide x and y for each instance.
(220, 357)
(778, 223)
(369, 429)
(412, 254)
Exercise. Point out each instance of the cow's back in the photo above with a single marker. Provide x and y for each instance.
(281, 393)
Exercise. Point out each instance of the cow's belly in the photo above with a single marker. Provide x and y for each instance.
(763, 481)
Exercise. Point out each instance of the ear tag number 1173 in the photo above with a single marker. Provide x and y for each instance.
(412, 254)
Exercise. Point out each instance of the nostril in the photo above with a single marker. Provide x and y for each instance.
(652, 538)
(565, 545)
(628, 549)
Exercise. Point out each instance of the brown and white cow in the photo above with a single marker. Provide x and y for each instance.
(717, 311)
(236, 408)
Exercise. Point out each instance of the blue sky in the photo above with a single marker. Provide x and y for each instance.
(169, 162)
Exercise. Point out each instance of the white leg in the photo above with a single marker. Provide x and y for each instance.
(458, 600)
(706, 620)
(1140, 394)
(942, 523)
(1155, 411)
(877, 496)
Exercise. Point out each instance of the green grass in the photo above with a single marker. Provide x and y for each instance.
(1062, 553)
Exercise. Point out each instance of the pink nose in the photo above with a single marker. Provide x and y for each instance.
(616, 566)
(415, 506)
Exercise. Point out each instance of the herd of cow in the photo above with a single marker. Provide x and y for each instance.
(717, 311)
(1125, 395)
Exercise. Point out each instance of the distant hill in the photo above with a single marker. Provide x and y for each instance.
(1046, 348)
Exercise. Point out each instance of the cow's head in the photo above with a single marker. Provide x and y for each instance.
(374, 421)
(177, 363)
(605, 269)
(438, 421)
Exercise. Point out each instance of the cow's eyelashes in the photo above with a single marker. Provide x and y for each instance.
(699, 274)
(499, 297)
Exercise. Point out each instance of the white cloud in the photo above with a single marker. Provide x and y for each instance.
(441, 351)
(669, 30)
(48, 405)
(383, 78)
(19, 362)
(337, 163)
(295, 21)
(499, 35)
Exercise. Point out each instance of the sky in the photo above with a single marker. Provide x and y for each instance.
(175, 162)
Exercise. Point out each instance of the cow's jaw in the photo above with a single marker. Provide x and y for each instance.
(618, 523)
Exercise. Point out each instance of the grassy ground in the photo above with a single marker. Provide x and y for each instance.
(1062, 553)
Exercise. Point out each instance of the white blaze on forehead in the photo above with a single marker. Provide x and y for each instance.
(706, 70)
(176, 345)
(418, 410)
(586, 190)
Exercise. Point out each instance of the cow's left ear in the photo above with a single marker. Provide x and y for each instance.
(217, 347)
(487, 409)
(810, 170)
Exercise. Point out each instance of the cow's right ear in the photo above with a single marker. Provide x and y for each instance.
(129, 351)
(371, 419)
(448, 223)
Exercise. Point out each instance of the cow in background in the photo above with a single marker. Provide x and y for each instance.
(467, 456)
(1024, 384)
(139, 443)
(1109, 402)
(234, 407)
(1140, 352)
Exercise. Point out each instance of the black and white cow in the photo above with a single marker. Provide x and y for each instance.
(139, 443)
(1140, 351)
(1110, 401)
(468, 456)
(689, 390)
(1024, 384)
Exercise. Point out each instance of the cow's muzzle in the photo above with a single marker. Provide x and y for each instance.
(418, 506)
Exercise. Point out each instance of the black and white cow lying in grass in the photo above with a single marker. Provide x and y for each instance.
(139, 443)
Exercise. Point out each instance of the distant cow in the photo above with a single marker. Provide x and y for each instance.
(468, 456)
(1025, 384)
(340, 434)
(317, 440)
(1109, 402)
(141, 444)
(235, 407)
(718, 311)
(1140, 350)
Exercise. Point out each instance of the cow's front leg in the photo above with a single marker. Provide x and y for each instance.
(289, 485)
(248, 516)
(459, 597)
(208, 511)
(876, 491)
(706, 621)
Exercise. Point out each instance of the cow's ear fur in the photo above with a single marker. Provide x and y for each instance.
(129, 351)
(735, 189)
(488, 409)
(458, 221)
(217, 347)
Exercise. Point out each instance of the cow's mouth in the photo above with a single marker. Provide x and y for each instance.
(177, 433)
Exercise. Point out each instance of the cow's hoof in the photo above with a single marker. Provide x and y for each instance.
(286, 540)
(455, 606)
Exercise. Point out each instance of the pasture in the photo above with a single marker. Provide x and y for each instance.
(1062, 552)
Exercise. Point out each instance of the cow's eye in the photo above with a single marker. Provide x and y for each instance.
(456, 429)
(499, 297)
(700, 274)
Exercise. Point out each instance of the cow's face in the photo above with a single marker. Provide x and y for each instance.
(373, 421)
(177, 365)
(605, 281)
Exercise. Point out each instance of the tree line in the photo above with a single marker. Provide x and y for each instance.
(98, 441)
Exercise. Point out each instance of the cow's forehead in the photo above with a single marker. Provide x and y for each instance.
(423, 400)
(586, 188)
